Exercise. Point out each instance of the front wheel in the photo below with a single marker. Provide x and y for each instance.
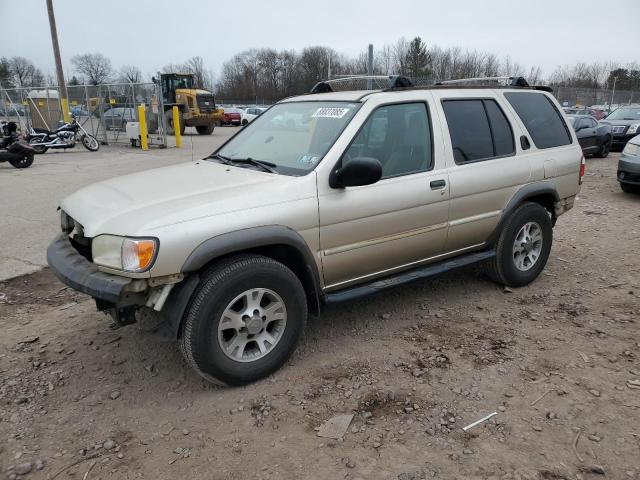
(205, 129)
(245, 319)
(628, 188)
(24, 162)
(523, 247)
(604, 149)
(90, 142)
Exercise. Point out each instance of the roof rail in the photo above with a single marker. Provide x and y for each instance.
(369, 81)
(488, 81)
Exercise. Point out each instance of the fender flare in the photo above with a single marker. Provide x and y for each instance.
(232, 242)
(525, 192)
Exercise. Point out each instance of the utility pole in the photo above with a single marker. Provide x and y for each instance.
(613, 92)
(370, 67)
(62, 87)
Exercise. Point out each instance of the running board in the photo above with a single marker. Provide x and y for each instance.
(419, 273)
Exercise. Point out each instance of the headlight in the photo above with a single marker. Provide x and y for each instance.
(633, 128)
(129, 254)
(631, 149)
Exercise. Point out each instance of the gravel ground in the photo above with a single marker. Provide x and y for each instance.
(559, 361)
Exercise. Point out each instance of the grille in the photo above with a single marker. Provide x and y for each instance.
(77, 239)
(206, 102)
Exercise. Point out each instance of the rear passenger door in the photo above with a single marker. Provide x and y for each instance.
(486, 171)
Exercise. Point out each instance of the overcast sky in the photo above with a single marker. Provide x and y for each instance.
(150, 34)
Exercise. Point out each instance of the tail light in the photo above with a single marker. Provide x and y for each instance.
(582, 166)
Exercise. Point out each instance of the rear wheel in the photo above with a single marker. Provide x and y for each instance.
(40, 148)
(244, 321)
(205, 129)
(23, 162)
(245, 122)
(523, 246)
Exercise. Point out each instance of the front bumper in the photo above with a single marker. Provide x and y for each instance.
(629, 170)
(619, 141)
(80, 274)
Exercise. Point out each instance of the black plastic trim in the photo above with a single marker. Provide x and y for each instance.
(80, 274)
(528, 191)
(403, 278)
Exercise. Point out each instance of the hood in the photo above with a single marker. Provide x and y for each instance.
(619, 122)
(141, 203)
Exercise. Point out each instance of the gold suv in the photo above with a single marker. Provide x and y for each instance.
(323, 198)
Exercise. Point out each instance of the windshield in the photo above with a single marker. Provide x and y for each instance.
(573, 120)
(625, 113)
(292, 136)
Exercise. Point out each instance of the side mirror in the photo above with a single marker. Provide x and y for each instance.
(356, 172)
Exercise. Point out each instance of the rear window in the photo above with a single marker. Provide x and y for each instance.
(541, 117)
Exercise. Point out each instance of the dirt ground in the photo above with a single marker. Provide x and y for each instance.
(559, 361)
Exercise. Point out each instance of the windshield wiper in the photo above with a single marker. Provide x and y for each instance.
(222, 158)
(266, 166)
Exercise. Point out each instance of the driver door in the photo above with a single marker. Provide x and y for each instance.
(398, 222)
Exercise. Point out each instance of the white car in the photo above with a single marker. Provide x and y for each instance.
(250, 113)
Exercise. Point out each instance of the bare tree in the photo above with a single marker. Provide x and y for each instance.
(94, 66)
(130, 74)
(24, 73)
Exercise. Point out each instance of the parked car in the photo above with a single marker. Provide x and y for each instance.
(116, 118)
(379, 188)
(629, 166)
(251, 113)
(594, 138)
(625, 124)
(591, 112)
(232, 116)
(80, 112)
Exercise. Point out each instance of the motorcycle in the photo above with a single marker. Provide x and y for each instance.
(64, 137)
(13, 150)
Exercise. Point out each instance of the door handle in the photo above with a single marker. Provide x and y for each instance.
(435, 184)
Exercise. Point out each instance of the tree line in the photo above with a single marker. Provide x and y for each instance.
(269, 75)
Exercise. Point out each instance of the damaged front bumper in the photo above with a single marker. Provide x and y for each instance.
(117, 295)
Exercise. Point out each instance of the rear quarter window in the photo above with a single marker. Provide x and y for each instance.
(541, 118)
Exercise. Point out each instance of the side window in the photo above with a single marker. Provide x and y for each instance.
(399, 136)
(593, 123)
(479, 130)
(501, 129)
(542, 119)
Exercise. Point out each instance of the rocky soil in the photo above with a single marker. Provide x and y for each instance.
(557, 361)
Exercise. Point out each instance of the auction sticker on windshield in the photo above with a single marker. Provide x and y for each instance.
(330, 112)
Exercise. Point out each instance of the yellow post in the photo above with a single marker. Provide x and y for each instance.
(144, 141)
(64, 103)
(176, 126)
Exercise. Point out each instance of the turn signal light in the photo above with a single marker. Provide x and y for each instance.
(582, 167)
(137, 255)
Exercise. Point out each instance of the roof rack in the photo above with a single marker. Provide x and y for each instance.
(488, 81)
(370, 82)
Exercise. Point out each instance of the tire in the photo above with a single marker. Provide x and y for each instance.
(205, 129)
(628, 188)
(605, 148)
(40, 149)
(90, 143)
(24, 162)
(226, 287)
(168, 115)
(245, 122)
(504, 268)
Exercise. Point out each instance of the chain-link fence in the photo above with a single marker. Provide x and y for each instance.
(102, 110)
(589, 96)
